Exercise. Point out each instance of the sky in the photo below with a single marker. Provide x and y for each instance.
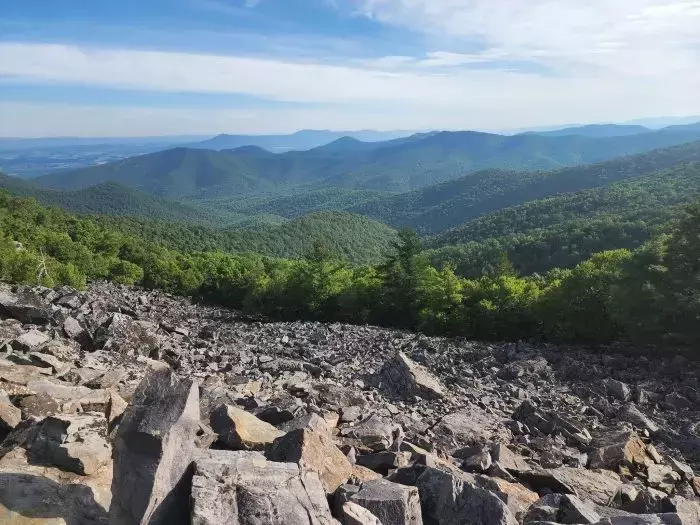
(173, 67)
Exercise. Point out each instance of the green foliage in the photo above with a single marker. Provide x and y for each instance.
(650, 295)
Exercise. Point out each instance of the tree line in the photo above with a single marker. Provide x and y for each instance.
(649, 295)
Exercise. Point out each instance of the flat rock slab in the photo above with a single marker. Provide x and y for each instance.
(239, 429)
(243, 488)
(597, 486)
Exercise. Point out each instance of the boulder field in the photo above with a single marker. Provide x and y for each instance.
(131, 407)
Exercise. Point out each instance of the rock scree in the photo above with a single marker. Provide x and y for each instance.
(124, 406)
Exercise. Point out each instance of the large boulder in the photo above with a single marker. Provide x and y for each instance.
(26, 307)
(375, 432)
(471, 426)
(243, 488)
(241, 430)
(562, 508)
(406, 378)
(616, 449)
(154, 449)
(391, 503)
(599, 486)
(30, 340)
(453, 498)
(72, 442)
(313, 451)
(352, 514)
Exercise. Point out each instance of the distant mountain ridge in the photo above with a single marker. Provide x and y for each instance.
(398, 165)
(300, 140)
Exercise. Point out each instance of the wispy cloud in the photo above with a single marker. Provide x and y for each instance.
(626, 37)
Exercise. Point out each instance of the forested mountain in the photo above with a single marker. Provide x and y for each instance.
(563, 230)
(436, 208)
(399, 165)
(343, 235)
(111, 198)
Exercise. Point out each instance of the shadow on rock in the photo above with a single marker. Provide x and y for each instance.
(29, 496)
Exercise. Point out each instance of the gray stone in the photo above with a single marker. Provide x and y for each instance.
(598, 486)
(406, 378)
(391, 503)
(30, 340)
(74, 330)
(242, 488)
(452, 498)
(154, 449)
(72, 442)
(470, 426)
(384, 461)
(26, 307)
(10, 415)
(617, 389)
(375, 432)
(562, 508)
(352, 514)
(633, 415)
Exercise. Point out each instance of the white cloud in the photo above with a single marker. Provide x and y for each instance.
(623, 37)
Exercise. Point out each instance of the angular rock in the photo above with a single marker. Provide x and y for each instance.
(619, 448)
(598, 486)
(375, 433)
(562, 508)
(310, 421)
(352, 514)
(28, 341)
(72, 442)
(27, 307)
(314, 451)
(10, 415)
(508, 459)
(617, 389)
(662, 477)
(633, 415)
(407, 379)
(471, 426)
(239, 429)
(391, 503)
(384, 461)
(154, 448)
(74, 330)
(242, 488)
(453, 498)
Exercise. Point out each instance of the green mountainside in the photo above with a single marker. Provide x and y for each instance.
(437, 208)
(111, 198)
(343, 235)
(398, 165)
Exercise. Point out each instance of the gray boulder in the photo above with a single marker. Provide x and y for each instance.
(243, 488)
(352, 514)
(154, 448)
(562, 508)
(452, 498)
(471, 426)
(406, 378)
(72, 442)
(26, 307)
(391, 503)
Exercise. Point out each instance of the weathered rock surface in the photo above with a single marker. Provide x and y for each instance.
(406, 378)
(154, 449)
(391, 503)
(239, 429)
(313, 451)
(613, 433)
(243, 488)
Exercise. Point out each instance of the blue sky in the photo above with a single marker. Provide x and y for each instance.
(135, 67)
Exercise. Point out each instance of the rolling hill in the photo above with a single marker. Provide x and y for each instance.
(398, 165)
(437, 208)
(111, 198)
(595, 131)
(348, 236)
